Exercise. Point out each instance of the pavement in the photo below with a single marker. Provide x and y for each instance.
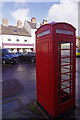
(20, 106)
(21, 103)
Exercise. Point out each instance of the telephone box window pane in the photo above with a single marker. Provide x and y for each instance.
(65, 84)
(65, 91)
(65, 53)
(65, 69)
(65, 45)
(65, 95)
(66, 98)
(65, 76)
(65, 61)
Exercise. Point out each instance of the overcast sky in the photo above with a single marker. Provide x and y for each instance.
(52, 10)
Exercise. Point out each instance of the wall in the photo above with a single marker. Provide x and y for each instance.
(16, 44)
(33, 37)
(13, 39)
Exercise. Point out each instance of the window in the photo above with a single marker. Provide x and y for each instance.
(65, 53)
(25, 40)
(6, 51)
(17, 39)
(9, 39)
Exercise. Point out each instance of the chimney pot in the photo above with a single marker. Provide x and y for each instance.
(19, 24)
(5, 21)
(33, 20)
(44, 22)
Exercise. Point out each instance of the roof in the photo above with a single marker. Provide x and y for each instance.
(54, 23)
(14, 30)
(32, 25)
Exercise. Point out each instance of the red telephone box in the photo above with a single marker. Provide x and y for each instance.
(55, 67)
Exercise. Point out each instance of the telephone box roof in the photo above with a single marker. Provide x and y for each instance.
(54, 23)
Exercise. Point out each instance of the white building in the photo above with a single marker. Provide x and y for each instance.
(31, 28)
(0, 38)
(18, 38)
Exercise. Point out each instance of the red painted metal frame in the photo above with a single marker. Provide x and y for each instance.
(48, 67)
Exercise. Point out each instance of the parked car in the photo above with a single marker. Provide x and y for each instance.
(8, 56)
(27, 57)
(18, 54)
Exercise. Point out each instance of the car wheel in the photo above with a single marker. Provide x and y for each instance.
(3, 62)
(32, 60)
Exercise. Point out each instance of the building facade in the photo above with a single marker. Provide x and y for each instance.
(32, 27)
(18, 38)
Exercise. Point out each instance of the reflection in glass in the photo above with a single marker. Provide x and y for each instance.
(65, 45)
(65, 69)
(65, 76)
(65, 61)
(65, 53)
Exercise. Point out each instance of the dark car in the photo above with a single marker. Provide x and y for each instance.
(8, 56)
(27, 57)
(18, 54)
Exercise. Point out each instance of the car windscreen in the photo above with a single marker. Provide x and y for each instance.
(7, 51)
(24, 53)
(31, 53)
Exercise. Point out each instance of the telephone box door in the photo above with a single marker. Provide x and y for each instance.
(66, 74)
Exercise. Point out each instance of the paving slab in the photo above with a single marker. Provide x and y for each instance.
(32, 95)
(24, 99)
(9, 108)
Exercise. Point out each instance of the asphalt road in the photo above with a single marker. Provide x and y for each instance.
(17, 78)
(19, 84)
(21, 78)
(78, 81)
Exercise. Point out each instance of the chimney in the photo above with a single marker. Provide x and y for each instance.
(33, 20)
(44, 22)
(19, 24)
(5, 22)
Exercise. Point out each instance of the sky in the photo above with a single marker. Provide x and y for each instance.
(25, 11)
(51, 10)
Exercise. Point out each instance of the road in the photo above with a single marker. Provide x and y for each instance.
(78, 81)
(19, 89)
(18, 78)
(21, 78)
